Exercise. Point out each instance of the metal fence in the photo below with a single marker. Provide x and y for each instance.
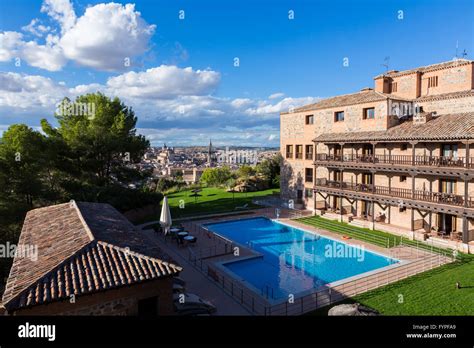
(327, 296)
(424, 258)
(247, 298)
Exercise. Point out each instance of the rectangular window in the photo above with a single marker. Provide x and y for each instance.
(299, 151)
(447, 186)
(403, 147)
(308, 193)
(308, 175)
(309, 119)
(449, 150)
(309, 152)
(289, 151)
(403, 178)
(339, 116)
(433, 81)
(393, 87)
(369, 114)
(367, 179)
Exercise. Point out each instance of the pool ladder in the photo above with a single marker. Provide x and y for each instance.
(266, 292)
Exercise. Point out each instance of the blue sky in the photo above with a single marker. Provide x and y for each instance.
(182, 81)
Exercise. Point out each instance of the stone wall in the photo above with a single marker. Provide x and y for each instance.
(119, 301)
(448, 105)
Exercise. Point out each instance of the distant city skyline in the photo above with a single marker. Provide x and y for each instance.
(198, 70)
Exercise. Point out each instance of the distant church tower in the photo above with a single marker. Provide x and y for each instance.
(210, 157)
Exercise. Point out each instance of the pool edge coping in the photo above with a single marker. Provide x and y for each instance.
(221, 264)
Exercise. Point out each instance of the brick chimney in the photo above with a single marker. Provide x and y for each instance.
(422, 117)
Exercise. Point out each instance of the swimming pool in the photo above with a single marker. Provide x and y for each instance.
(292, 260)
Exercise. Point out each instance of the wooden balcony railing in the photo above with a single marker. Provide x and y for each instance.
(431, 161)
(418, 195)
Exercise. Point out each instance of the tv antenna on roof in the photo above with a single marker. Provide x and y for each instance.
(463, 54)
(386, 63)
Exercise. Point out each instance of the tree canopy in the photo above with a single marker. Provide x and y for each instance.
(270, 169)
(216, 176)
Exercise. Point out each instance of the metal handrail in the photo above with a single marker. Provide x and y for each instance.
(432, 161)
(428, 196)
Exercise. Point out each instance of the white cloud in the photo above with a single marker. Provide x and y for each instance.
(62, 11)
(48, 56)
(85, 89)
(35, 28)
(105, 37)
(29, 92)
(241, 102)
(271, 137)
(267, 108)
(164, 82)
(9, 43)
(276, 95)
(176, 104)
(255, 136)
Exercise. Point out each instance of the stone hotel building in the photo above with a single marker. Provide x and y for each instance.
(397, 157)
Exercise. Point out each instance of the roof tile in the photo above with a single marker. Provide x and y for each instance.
(82, 248)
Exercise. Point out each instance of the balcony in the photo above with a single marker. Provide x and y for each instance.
(404, 160)
(417, 195)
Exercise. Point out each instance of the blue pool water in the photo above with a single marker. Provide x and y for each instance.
(293, 260)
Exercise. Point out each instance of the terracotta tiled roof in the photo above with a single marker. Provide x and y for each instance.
(82, 248)
(459, 94)
(361, 97)
(428, 68)
(444, 127)
(98, 266)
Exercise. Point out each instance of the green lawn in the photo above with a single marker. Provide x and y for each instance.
(212, 200)
(380, 238)
(429, 293)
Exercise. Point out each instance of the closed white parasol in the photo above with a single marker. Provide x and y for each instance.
(165, 218)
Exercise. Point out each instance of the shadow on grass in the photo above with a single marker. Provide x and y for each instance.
(222, 205)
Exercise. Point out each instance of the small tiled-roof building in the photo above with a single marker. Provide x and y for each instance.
(89, 260)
